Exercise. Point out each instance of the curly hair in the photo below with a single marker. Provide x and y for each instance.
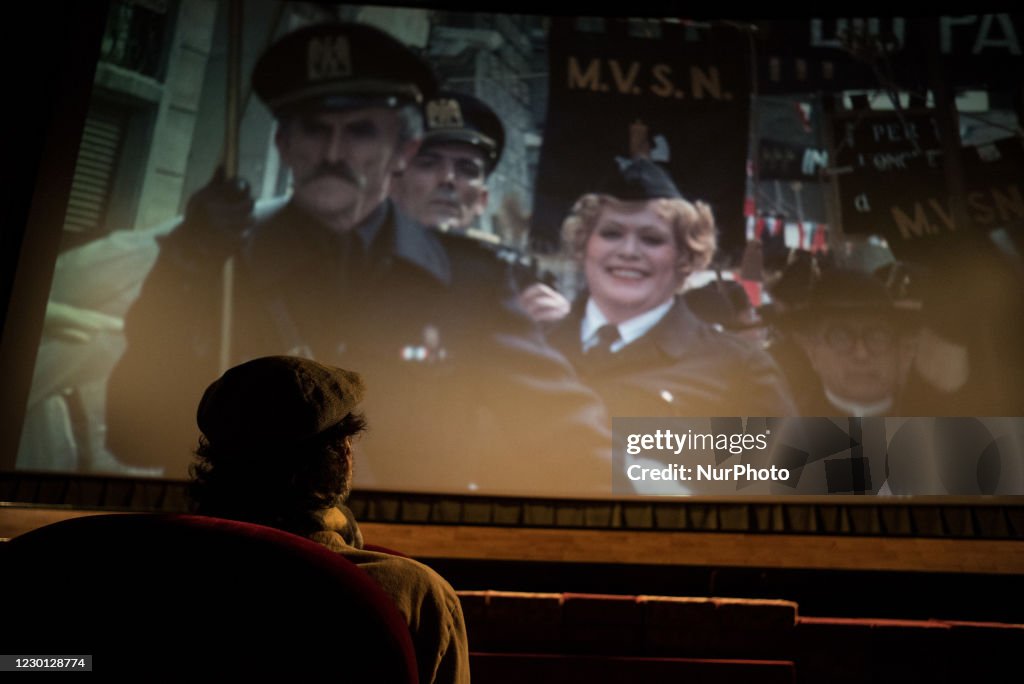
(284, 487)
(693, 226)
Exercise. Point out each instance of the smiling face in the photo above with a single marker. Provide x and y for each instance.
(631, 260)
(342, 162)
(444, 185)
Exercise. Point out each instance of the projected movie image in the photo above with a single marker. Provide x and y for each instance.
(569, 256)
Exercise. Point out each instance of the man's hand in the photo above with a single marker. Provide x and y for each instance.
(543, 304)
(217, 217)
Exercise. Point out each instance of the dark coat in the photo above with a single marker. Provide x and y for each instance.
(681, 367)
(462, 390)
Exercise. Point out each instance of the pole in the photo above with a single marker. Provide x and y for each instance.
(231, 124)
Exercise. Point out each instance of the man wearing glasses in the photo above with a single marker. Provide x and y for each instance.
(861, 345)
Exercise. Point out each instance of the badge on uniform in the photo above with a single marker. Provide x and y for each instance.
(444, 113)
(430, 350)
(328, 57)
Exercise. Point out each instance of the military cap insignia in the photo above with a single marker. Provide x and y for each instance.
(452, 116)
(339, 66)
(328, 57)
(444, 113)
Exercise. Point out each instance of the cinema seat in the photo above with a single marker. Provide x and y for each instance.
(596, 623)
(513, 668)
(840, 650)
(157, 593)
(650, 626)
(984, 651)
(511, 621)
(718, 627)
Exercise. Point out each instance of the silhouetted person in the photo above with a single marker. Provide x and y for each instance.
(276, 449)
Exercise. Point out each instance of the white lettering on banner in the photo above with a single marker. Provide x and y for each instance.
(988, 32)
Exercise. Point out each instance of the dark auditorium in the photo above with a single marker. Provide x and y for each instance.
(434, 342)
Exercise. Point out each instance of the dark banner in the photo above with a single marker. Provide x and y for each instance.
(680, 98)
(754, 456)
(893, 188)
(840, 53)
(880, 159)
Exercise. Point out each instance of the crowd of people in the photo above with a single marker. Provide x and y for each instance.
(375, 262)
(339, 273)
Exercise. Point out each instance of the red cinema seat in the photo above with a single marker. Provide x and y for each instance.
(156, 593)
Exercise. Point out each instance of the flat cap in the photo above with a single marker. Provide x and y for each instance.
(638, 179)
(340, 66)
(456, 117)
(277, 399)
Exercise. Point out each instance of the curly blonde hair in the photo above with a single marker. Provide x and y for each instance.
(693, 226)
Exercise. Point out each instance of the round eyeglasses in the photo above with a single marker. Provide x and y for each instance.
(877, 339)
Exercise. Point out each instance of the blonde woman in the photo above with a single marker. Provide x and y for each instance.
(630, 336)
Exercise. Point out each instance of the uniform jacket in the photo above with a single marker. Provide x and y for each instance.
(680, 367)
(462, 390)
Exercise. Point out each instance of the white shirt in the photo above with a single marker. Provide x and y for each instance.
(629, 331)
(852, 408)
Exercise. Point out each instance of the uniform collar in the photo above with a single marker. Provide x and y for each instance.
(418, 245)
(675, 334)
(386, 233)
(629, 330)
(369, 228)
(853, 408)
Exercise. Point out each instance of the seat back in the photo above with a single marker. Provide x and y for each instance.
(189, 593)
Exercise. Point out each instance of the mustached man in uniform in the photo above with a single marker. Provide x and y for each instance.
(465, 395)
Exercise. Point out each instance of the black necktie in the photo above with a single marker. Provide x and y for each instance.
(607, 335)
